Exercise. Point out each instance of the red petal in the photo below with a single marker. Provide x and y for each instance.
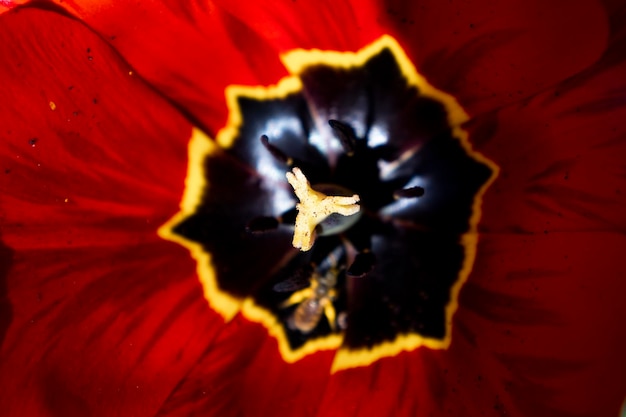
(243, 375)
(339, 25)
(486, 54)
(542, 316)
(101, 332)
(190, 52)
(106, 316)
(6, 5)
(489, 53)
(85, 143)
(542, 307)
(561, 155)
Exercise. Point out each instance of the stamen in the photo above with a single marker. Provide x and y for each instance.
(314, 208)
(345, 134)
(412, 192)
(276, 153)
(363, 263)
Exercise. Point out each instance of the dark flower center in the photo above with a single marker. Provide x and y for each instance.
(376, 282)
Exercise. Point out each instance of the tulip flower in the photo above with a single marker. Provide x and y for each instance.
(312, 208)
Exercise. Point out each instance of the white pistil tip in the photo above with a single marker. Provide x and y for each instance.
(314, 208)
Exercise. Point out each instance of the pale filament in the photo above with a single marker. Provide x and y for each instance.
(314, 208)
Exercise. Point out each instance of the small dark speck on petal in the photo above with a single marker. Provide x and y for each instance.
(94, 101)
(88, 50)
(7, 171)
(32, 142)
(71, 87)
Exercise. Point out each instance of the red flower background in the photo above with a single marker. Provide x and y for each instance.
(100, 317)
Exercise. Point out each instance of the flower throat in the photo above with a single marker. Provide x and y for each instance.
(351, 223)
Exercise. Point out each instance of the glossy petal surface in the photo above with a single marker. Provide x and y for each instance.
(106, 317)
(190, 51)
(487, 53)
(538, 331)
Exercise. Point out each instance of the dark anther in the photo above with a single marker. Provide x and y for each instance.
(345, 134)
(299, 280)
(362, 265)
(276, 153)
(412, 192)
(262, 224)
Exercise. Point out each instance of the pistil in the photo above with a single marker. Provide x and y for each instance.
(314, 208)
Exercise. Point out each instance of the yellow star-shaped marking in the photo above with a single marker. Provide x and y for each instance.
(314, 208)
